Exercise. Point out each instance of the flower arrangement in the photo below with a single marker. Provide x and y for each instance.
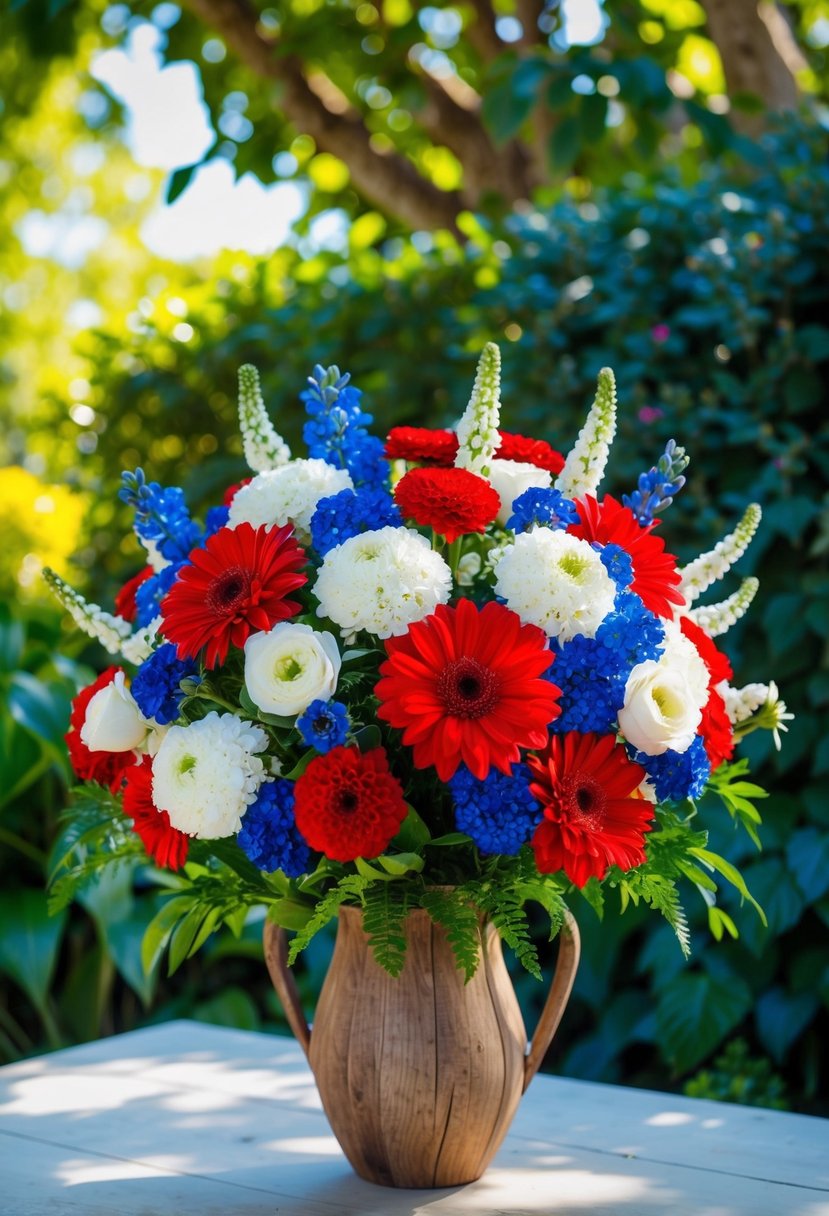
(434, 672)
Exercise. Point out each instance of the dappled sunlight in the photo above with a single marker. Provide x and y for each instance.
(670, 1118)
(306, 1146)
(530, 1190)
(79, 1171)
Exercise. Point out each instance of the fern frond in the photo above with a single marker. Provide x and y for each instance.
(351, 887)
(384, 911)
(459, 920)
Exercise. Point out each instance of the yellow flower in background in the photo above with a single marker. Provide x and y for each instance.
(40, 525)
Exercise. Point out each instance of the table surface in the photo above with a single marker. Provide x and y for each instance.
(186, 1118)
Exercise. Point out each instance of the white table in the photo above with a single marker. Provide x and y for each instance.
(185, 1118)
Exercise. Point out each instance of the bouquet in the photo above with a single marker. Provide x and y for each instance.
(437, 672)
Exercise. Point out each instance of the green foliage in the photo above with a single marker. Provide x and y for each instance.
(461, 924)
(737, 1076)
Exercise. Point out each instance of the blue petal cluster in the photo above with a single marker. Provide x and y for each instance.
(499, 813)
(324, 725)
(149, 595)
(336, 428)
(156, 684)
(618, 563)
(269, 835)
(549, 508)
(342, 515)
(215, 519)
(161, 515)
(632, 632)
(657, 487)
(677, 775)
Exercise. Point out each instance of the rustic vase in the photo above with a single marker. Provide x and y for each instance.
(420, 1076)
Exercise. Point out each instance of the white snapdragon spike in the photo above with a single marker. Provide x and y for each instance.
(113, 722)
(709, 568)
(264, 449)
(758, 706)
(510, 478)
(555, 581)
(585, 464)
(382, 582)
(664, 697)
(288, 495)
(741, 703)
(207, 774)
(155, 557)
(137, 648)
(107, 629)
(717, 619)
(289, 667)
(478, 438)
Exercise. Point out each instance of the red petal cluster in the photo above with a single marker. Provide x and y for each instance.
(592, 816)
(164, 843)
(655, 576)
(125, 604)
(715, 727)
(231, 491)
(452, 501)
(418, 443)
(530, 451)
(237, 584)
(465, 686)
(107, 768)
(348, 804)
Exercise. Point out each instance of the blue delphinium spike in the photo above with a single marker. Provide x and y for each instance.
(336, 428)
(657, 487)
(162, 520)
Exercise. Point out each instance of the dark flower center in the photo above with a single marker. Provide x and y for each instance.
(583, 800)
(348, 802)
(229, 592)
(467, 688)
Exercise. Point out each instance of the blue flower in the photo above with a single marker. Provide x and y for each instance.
(149, 595)
(657, 487)
(156, 684)
(336, 428)
(499, 813)
(677, 775)
(161, 515)
(617, 562)
(215, 519)
(539, 506)
(324, 725)
(269, 835)
(348, 513)
(632, 632)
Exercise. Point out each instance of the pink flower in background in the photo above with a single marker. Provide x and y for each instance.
(661, 333)
(650, 413)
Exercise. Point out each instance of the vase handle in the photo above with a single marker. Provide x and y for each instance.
(569, 949)
(275, 942)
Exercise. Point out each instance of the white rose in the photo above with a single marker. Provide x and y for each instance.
(660, 710)
(509, 478)
(289, 667)
(113, 721)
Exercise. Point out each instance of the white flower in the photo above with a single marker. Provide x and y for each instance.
(107, 629)
(155, 557)
(469, 567)
(478, 437)
(509, 478)
(741, 703)
(288, 494)
(710, 567)
(288, 668)
(113, 721)
(263, 447)
(555, 581)
(585, 464)
(142, 643)
(717, 619)
(664, 697)
(382, 581)
(206, 775)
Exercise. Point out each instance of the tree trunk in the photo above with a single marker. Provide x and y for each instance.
(757, 51)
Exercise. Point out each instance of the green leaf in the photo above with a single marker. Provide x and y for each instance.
(695, 1013)
(367, 738)
(731, 874)
(39, 709)
(290, 913)
(350, 888)
(413, 835)
(29, 942)
(808, 856)
(178, 183)
(451, 838)
(565, 143)
(782, 1017)
(593, 117)
(384, 913)
(160, 928)
(459, 920)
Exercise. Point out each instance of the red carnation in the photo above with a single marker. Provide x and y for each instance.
(655, 576)
(231, 491)
(164, 843)
(592, 816)
(235, 585)
(715, 727)
(348, 804)
(452, 501)
(107, 768)
(530, 451)
(418, 443)
(465, 687)
(125, 604)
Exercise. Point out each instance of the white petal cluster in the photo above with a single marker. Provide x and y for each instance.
(137, 648)
(107, 629)
(709, 568)
(478, 438)
(288, 495)
(155, 557)
(113, 722)
(664, 697)
(289, 667)
(382, 581)
(509, 478)
(585, 464)
(263, 447)
(717, 619)
(741, 703)
(207, 774)
(555, 581)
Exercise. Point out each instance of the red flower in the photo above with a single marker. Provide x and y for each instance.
(715, 727)
(348, 804)
(164, 843)
(452, 501)
(655, 576)
(530, 451)
(125, 604)
(232, 491)
(592, 817)
(231, 588)
(465, 687)
(418, 443)
(107, 768)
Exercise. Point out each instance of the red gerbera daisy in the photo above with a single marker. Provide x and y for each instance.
(348, 804)
(655, 576)
(418, 443)
(164, 843)
(464, 685)
(107, 768)
(452, 501)
(530, 451)
(231, 588)
(125, 604)
(715, 728)
(592, 816)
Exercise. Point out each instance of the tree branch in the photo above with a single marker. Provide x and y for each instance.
(482, 33)
(751, 55)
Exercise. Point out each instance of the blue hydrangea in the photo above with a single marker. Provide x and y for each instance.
(657, 487)
(269, 835)
(546, 507)
(631, 632)
(151, 592)
(215, 520)
(499, 813)
(677, 775)
(617, 562)
(161, 515)
(325, 724)
(592, 690)
(348, 513)
(156, 684)
(336, 428)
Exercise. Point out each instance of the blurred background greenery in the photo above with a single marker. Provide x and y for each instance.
(641, 183)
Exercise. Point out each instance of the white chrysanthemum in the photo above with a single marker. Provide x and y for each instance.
(555, 581)
(382, 581)
(288, 495)
(206, 775)
(664, 697)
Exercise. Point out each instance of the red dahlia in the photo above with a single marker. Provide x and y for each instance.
(465, 687)
(107, 768)
(125, 604)
(655, 576)
(237, 584)
(348, 804)
(592, 816)
(418, 443)
(164, 843)
(715, 727)
(530, 451)
(452, 501)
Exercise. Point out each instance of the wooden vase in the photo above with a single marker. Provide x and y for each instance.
(420, 1076)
